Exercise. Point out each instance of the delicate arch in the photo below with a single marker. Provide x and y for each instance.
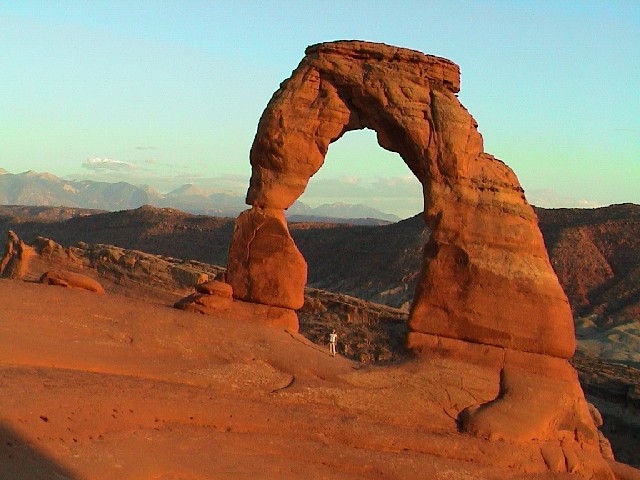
(487, 293)
(486, 277)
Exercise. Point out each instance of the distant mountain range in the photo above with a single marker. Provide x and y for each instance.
(45, 189)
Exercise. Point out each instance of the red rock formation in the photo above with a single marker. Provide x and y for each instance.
(215, 287)
(486, 276)
(487, 291)
(265, 266)
(65, 278)
(17, 257)
(221, 306)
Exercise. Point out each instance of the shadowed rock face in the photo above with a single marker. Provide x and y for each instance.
(17, 255)
(486, 276)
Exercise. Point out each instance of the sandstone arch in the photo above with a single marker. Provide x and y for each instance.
(487, 293)
(486, 277)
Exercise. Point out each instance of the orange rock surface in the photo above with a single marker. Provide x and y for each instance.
(239, 311)
(64, 278)
(265, 266)
(97, 387)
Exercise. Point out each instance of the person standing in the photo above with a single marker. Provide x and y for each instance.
(333, 340)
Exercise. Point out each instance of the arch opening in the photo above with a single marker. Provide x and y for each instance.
(348, 263)
(357, 171)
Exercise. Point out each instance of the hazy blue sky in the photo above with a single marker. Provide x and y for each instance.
(170, 92)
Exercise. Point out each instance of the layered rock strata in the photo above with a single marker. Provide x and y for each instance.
(487, 291)
(119, 269)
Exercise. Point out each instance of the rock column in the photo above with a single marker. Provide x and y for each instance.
(265, 266)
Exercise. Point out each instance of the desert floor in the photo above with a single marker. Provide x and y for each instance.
(110, 387)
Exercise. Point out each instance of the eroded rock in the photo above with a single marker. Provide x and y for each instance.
(228, 308)
(119, 269)
(486, 276)
(538, 399)
(64, 278)
(265, 266)
(487, 291)
(215, 287)
(17, 257)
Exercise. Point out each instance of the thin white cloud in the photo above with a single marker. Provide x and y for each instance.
(350, 180)
(143, 174)
(97, 163)
(398, 184)
(547, 198)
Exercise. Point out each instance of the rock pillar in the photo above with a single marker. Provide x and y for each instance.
(265, 266)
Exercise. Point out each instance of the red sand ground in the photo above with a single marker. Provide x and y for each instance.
(109, 387)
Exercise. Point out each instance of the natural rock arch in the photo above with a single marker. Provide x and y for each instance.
(487, 293)
(486, 277)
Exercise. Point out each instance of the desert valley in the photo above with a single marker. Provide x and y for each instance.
(195, 347)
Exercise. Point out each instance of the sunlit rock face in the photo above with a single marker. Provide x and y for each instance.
(486, 276)
(265, 266)
(487, 294)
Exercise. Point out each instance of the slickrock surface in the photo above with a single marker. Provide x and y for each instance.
(367, 332)
(105, 386)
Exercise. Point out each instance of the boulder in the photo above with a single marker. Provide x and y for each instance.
(46, 246)
(215, 287)
(223, 307)
(65, 278)
(203, 303)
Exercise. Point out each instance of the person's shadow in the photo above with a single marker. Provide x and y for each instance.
(19, 460)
